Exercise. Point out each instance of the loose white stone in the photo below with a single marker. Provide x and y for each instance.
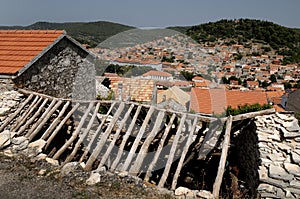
(38, 145)
(5, 139)
(292, 168)
(93, 179)
(205, 194)
(52, 161)
(278, 172)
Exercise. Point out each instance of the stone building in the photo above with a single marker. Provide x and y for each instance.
(47, 61)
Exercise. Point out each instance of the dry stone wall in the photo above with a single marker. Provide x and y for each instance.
(279, 148)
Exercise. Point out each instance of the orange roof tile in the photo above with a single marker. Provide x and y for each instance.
(210, 101)
(19, 47)
(157, 73)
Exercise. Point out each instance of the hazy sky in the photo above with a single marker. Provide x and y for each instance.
(148, 13)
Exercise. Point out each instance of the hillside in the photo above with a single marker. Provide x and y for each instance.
(285, 41)
(91, 33)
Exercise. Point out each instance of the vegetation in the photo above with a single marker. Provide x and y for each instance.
(246, 109)
(91, 33)
(285, 41)
(127, 71)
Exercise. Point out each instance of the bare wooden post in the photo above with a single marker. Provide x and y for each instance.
(88, 148)
(33, 117)
(49, 140)
(143, 151)
(75, 134)
(137, 139)
(172, 153)
(160, 147)
(44, 119)
(125, 138)
(221, 168)
(25, 115)
(82, 137)
(103, 138)
(10, 118)
(184, 152)
(105, 156)
(56, 121)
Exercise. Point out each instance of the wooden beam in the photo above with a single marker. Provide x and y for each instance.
(125, 138)
(160, 147)
(12, 116)
(48, 113)
(75, 134)
(172, 152)
(88, 148)
(37, 113)
(253, 114)
(112, 144)
(57, 129)
(138, 139)
(83, 135)
(25, 114)
(184, 152)
(221, 168)
(144, 149)
(56, 121)
(103, 138)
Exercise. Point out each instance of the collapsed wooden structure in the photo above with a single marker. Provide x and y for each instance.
(123, 136)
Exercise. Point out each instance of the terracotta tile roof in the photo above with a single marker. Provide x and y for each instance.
(210, 101)
(156, 73)
(19, 47)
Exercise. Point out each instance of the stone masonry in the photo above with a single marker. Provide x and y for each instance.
(65, 71)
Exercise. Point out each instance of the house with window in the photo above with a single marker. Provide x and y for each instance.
(157, 75)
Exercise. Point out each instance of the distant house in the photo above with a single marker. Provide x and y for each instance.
(157, 75)
(293, 101)
(252, 85)
(209, 101)
(173, 98)
(47, 61)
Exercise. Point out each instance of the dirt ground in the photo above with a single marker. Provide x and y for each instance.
(21, 177)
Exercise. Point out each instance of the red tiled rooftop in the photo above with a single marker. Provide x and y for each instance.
(157, 73)
(19, 47)
(217, 100)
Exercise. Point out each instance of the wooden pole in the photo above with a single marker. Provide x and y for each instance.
(37, 113)
(75, 134)
(137, 139)
(184, 152)
(88, 148)
(160, 147)
(12, 116)
(103, 138)
(172, 152)
(83, 136)
(26, 113)
(144, 149)
(221, 168)
(105, 156)
(56, 121)
(125, 138)
(57, 129)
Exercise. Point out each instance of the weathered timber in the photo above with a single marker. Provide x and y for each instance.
(160, 147)
(144, 149)
(116, 135)
(253, 114)
(221, 168)
(26, 113)
(37, 113)
(184, 152)
(83, 136)
(125, 138)
(12, 116)
(57, 129)
(103, 138)
(56, 121)
(75, 134)
(45, 118)
(172, 152)
(88, 148)
(137, 139)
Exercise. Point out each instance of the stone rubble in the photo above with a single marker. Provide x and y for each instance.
(279, 169)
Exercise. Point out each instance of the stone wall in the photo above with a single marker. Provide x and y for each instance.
(64, 71)
(269, 154)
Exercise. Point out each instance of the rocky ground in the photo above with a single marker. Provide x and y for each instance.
(22, 177)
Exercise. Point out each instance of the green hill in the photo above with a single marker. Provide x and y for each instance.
(285, 41)
(91, 33)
